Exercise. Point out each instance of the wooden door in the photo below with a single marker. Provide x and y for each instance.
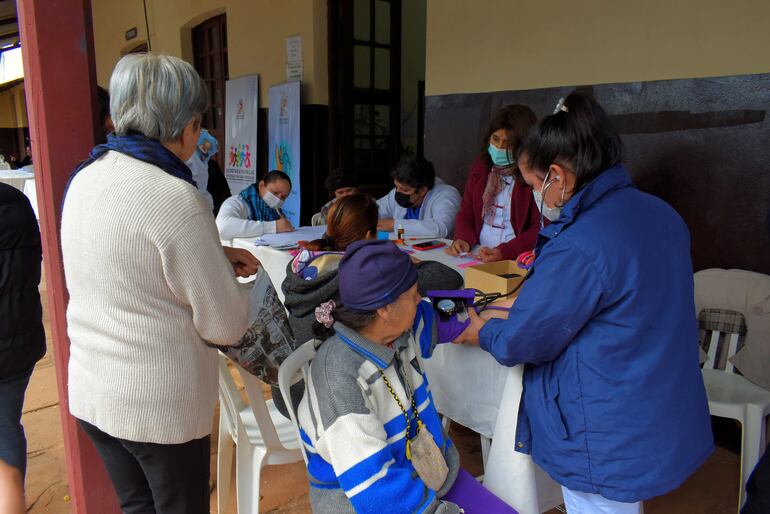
(365, 87)
(210, 60)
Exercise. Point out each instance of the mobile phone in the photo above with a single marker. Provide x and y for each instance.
(429, 245)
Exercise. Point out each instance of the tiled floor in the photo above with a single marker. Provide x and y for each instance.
(713, 489)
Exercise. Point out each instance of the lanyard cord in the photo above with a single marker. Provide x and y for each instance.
(403, 410)
(409, 394)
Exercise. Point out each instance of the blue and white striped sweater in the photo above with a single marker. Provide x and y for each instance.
(354, 432)
(394, 430)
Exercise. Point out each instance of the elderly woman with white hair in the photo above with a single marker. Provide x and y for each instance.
(149, 286)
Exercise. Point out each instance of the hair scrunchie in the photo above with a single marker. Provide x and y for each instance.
(560, 106)
(323, 313)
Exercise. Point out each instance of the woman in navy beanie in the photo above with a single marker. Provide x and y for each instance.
(373, 437)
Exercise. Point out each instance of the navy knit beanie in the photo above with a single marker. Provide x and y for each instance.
(373, 274)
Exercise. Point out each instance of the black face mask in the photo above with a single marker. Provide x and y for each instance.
(403, 199)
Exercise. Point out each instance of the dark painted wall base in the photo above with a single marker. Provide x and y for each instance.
(699, 144)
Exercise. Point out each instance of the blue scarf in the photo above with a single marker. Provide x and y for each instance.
(258, 209)
(142, 148)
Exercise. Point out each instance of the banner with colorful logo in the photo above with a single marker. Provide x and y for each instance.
(241, 114)
(283, 135)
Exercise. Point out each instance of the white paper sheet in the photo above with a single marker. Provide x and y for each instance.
(290, 239)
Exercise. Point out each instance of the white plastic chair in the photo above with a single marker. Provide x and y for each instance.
(262, 436)
(295, 367)
(732, 396)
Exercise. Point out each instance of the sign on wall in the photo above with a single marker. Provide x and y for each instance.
(283, 135)
(294, 58)
(242, 102)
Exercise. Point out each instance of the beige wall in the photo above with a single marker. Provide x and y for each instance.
(112, 18)
(256, 36)
(499, 45)
(13, 107)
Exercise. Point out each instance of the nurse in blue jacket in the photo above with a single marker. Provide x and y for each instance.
(614, 407)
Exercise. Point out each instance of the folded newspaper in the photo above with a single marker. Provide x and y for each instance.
(269, 339)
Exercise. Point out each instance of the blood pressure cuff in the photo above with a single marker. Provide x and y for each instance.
(451, 312)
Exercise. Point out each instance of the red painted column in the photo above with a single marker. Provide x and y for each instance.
(60, 84)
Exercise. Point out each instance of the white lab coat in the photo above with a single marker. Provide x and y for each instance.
(233, 221)
(437, 213)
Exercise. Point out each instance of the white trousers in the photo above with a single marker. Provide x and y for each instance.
(587, 503)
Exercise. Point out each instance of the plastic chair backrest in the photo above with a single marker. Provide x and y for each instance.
(748, 293)
(315, 220)
(231, 402)
(258, 406)
(296, 367)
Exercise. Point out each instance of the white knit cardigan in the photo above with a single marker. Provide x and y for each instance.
(149, 284)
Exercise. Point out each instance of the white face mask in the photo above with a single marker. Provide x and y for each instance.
(552, 213)
(272, 201)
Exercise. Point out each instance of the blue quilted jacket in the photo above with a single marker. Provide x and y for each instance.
(613, 402)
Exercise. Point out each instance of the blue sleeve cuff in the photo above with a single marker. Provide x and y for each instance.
(488, 333)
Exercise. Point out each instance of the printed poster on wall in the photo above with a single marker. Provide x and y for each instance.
(283, 134)
(242, 102)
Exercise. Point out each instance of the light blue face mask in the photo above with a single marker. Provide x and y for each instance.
(499, 156)
(551, 213)
(205, 137)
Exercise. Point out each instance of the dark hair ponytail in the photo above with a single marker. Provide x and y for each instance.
(353, 319)
(579, 135)
(348, 221)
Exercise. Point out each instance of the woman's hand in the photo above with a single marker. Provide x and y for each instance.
(490, 254)
(386, 224)
(244, 263)
(457, 247)
(283, 225)
(471, 333)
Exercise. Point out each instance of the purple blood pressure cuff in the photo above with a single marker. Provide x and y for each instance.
(451, 312)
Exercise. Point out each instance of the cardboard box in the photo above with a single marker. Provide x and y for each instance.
(487, 277)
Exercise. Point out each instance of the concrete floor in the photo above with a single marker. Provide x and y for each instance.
(713, 489)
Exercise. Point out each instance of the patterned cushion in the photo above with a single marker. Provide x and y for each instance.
(726, 322)
(722, 320)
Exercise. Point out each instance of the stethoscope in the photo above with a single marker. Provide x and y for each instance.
(547, 184)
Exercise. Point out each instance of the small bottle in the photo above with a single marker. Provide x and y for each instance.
(400, 234)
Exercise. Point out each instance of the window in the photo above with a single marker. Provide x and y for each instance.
(365, 38)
